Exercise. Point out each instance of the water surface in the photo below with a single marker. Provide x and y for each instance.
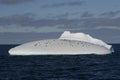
(62, 67)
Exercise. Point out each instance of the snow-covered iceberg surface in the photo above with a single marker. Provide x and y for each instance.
(68, 44)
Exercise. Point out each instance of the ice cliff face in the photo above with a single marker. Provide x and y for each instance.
(83, 37)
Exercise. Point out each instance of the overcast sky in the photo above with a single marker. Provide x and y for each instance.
(27, 20)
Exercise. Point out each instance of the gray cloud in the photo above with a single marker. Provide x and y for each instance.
(63, 15)
(110, 14)
(94, 22)
(25, 20)
(10, 2)
(16, 20)
(87, 14)
(61, 23)
(72, 3)
(107, 29)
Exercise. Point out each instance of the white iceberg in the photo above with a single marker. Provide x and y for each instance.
(68, 44)
(83, 37)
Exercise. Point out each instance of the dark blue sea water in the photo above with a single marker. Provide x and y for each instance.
(62, 67)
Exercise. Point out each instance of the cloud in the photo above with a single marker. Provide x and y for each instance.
(94, 22)
(72, 3)
(87, 14)
(65, 15)
(108, 27)
(22, 20)
(110, 14)
(29, 29)
(10, 2)
(28, 21)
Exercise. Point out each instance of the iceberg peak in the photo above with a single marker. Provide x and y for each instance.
(83, 37)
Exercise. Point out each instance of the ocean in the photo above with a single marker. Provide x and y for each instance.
(59, 67)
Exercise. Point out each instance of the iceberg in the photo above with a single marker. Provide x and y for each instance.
(68, 44)
(83, 37)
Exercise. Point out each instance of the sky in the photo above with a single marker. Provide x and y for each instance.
(28, 20)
